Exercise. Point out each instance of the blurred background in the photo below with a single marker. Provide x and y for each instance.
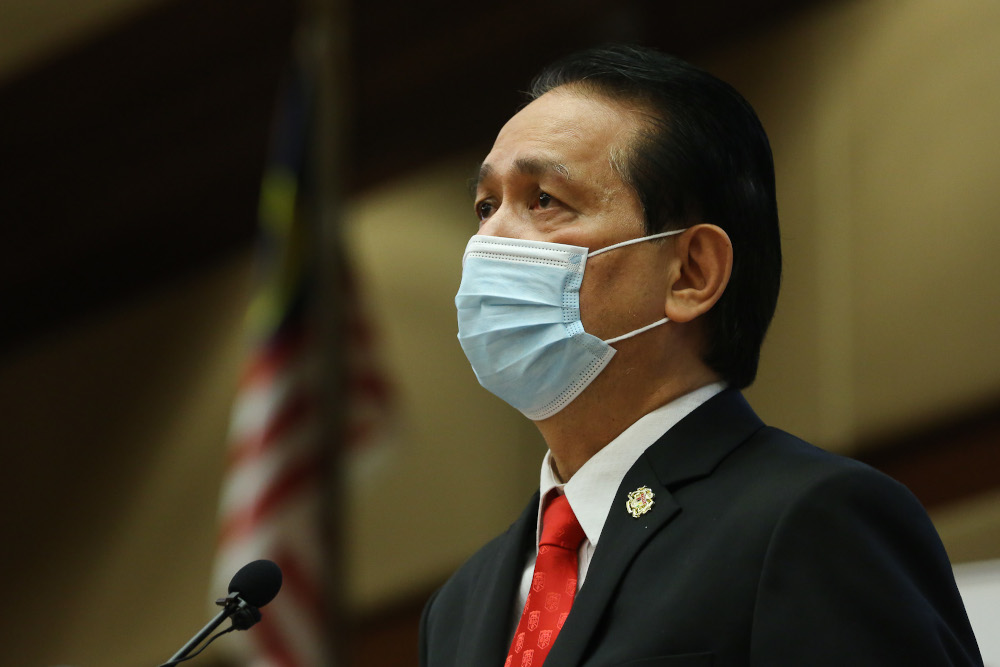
(232, 234)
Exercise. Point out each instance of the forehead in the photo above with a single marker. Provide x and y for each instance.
(565, 130)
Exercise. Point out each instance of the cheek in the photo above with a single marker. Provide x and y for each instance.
(620, 296)
(605, 297)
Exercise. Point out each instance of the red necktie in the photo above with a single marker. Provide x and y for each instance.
(553, 586)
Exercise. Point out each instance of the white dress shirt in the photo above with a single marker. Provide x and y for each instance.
(591, 491)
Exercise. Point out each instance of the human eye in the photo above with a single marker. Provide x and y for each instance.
(544, 200)
(484, 209)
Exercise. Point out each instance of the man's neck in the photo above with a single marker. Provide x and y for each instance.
(602, 412)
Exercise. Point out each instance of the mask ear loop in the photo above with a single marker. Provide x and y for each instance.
(638, 240)
(637, 331)
(630, 242)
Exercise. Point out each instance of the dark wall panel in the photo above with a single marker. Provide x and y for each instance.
(134, 157)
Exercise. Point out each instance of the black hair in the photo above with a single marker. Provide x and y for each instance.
(703, 156)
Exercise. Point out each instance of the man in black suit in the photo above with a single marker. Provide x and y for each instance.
(625, 271)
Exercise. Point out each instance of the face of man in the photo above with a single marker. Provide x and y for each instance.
(550, 177)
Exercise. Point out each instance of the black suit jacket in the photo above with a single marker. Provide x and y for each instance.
(760, 550)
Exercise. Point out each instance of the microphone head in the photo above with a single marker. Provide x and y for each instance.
(257, 582)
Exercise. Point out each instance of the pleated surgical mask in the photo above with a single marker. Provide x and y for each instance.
(519, 321)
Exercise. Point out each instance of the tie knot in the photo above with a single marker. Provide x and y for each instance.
(559, 525)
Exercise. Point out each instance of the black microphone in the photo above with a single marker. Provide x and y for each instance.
(254, 585)
(257, 582)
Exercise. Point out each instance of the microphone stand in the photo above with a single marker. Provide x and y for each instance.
(243, 614)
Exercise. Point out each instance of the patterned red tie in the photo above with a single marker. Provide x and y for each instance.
(553, 586)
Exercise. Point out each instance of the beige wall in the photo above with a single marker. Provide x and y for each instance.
(111, 466)
(883, 120)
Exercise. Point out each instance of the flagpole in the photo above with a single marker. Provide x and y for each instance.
(326, 36)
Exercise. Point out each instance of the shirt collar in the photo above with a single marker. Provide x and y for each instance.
(591, 491)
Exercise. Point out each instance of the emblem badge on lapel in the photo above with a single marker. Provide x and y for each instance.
(639, 501)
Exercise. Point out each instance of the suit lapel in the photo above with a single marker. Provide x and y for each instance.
(485, 637)
(696, 445)
(622, 538)
(690, 450)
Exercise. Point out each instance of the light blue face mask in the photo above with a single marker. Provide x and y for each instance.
(519, 321)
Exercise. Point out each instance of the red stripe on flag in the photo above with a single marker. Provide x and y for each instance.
(369, 383)
(297, 583)
(274, 355)
(284, 486)
(269, 636)
(360, 432)
(293, 411)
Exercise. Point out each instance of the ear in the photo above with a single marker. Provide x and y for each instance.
(702, 266)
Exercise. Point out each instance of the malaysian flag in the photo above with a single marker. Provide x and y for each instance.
(282, 470)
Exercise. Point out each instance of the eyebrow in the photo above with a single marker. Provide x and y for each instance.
(528, 166)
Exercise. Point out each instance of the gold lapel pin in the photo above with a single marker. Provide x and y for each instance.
(639, 501)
